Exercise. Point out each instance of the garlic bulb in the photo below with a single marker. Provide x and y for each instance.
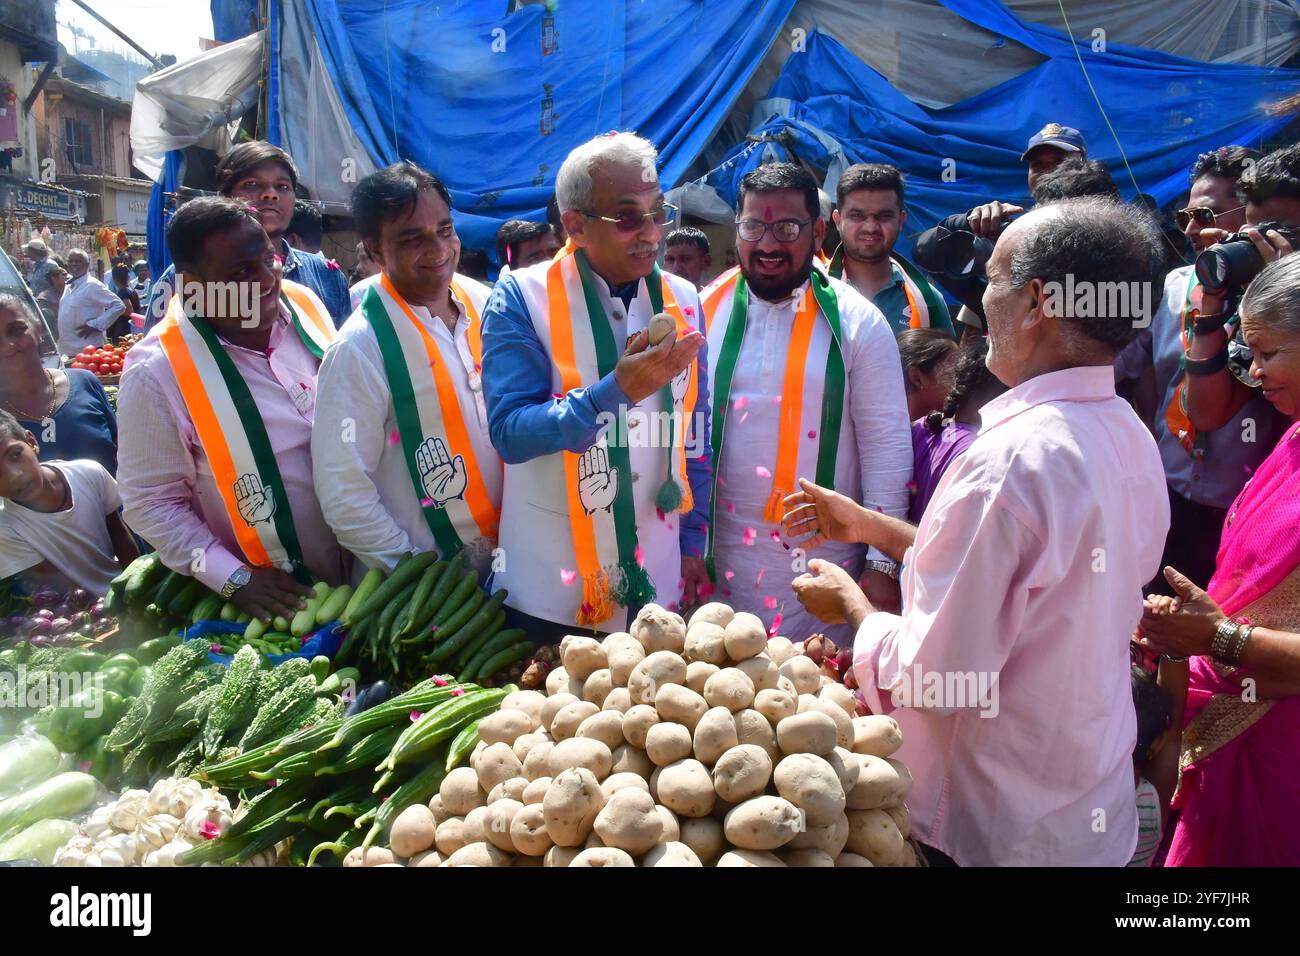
(120, 849)
(158, 830)
(130, 811)
(206, 820)
(74, 852)
(265, 858)
(97, 824)
(166, 855)
(175, 796)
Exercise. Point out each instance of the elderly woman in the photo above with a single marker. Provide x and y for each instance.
(67, 411)
(1239, 782)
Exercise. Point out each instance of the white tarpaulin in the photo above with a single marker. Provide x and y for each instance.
(194, 102)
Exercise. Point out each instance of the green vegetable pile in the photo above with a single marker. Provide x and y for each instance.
(429, 615)
(341, 782)
(190, 711)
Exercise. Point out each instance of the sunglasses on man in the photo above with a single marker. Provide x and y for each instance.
(1205, 216)
(632, 221)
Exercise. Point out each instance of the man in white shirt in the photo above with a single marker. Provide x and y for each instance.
(806, 382)
(87, 308)
(400, 447)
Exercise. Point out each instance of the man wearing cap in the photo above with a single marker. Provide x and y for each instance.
(1049, 147)
(40, 277)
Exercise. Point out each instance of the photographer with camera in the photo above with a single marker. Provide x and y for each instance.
(1217, 361)
(1204, 469)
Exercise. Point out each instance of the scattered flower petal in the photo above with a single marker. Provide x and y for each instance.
(731, 507)
(393, 437)
(438, 681)
(776, 399)
(812, 434)
(759, 580)
(740, 403)
(776, 535)
(209, 830)
(567, 576)
(762, 472)
(706, 589)
(416, 715)
(458, 692)
(426, 502)
(639, 555)
(215, 648)
(742, 418)
(911, 486)
(775, 629)
(749, 536)
(728, 574)
(769, 602)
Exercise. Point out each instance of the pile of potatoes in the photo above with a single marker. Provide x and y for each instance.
(673, 745)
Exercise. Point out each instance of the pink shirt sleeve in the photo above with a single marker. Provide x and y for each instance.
(156, 478)
(965, 592)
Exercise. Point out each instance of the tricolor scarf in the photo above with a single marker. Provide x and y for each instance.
(820, 298)
(598, 482)
(1177, 419)
(439, 455)
(923, 299)
(233, 436)
(310, 317)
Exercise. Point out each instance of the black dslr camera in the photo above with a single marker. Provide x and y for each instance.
(1229, 266)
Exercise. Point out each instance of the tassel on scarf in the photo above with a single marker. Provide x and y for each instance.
(670, 496)
(597, 601)
(635, 587)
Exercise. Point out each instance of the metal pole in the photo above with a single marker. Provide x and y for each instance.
(135, 46)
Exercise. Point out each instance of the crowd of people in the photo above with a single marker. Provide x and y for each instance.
(1083, 609)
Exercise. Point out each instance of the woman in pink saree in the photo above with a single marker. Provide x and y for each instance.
(1238, 788)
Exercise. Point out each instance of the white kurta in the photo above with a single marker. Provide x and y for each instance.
(361, 474)
(873, 462)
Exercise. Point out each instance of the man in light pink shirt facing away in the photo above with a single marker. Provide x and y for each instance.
(168, 478)
(1008, 671)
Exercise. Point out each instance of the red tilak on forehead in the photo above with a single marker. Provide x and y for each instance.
(767, 214)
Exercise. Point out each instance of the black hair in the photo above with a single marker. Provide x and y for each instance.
(1100, 244)
(474, 263)
(869, 176)
(246, 157)
(1153, 712)
(971, 382)
(194, 222)
(307, 222)
(553, 215)
(513, 232)
(1075, 178)
(121, 272)
(1226, 162)
(773, 176)
(391, 192)
(10, 427)
(688, 234)
(1277, 174)
(924, 349)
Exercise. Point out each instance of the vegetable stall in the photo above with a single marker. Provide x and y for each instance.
(401, 722)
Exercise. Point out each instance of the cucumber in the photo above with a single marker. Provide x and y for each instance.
(503, 659)
(403, 575)
(190, 594)
(305, 619)
(319, 668)
(229, 613)
(373, 578)
(461, 593)
(338, 682)
(208, 608)
(495, 643)
(280, 623)
(333, 606)
(255, 629)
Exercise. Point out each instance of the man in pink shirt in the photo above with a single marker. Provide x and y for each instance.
(215, 414)
(1008, 671)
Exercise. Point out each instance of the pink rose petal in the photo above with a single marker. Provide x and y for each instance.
(759, 580)
(775, 629)
(438, 681)
(812, 434)
(776, 535)
(740, 403)
(208, 830)
(762, 472)
(457, 693)
(639, 555)
(748, 537)
(394, 437)
(769, 602)
(416, 715)
(731, 507)
(776, 399)
(742, 418)
(706, 589)
(426, 502)
(567, 576)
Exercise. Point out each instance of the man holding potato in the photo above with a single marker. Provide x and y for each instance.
(597, 401)
(1026, 571)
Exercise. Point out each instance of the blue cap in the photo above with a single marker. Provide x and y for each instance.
(1054, 134)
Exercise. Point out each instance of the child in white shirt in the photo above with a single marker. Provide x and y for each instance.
(59, 521)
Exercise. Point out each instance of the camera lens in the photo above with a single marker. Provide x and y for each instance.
(1229, 265)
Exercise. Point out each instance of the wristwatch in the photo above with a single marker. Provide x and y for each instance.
(238, 578)
(888, 568)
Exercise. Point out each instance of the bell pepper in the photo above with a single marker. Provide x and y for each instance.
(150, 651)
(104, 765)
(81, 662)
(116, 679)
(138, 678)
(77, 722)
(123, 660)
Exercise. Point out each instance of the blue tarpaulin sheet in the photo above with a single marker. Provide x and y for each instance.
(492, 101)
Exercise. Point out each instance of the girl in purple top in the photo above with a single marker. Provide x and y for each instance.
(939, 437)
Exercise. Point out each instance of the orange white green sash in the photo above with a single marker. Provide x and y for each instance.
(598, 481)
(310, 317)
(1177, 419)
(234, 439)
(923, 299)
(439, 454)
(820, 299)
